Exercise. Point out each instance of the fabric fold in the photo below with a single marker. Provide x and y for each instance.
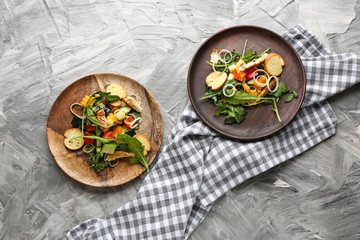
(198, 165)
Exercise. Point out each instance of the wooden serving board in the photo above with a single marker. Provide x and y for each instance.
(75, 163)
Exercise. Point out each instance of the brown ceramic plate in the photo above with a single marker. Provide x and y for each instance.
(260, 121)
(75, 163)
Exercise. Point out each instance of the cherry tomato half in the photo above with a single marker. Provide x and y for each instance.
(128, 120)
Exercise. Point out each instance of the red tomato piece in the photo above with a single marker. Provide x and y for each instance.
(240, 76)
(250, 74)
(90, 128)
(88, 140)
(108, 135)
(128, 120)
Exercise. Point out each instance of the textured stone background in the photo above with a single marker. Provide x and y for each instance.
(47, 44)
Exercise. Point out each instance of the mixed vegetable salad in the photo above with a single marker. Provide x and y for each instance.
(106, 129)
(245, 80)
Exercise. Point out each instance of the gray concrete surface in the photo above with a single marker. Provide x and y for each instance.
(47, 44)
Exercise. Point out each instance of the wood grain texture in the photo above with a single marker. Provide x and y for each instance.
(75, 163)
(260, 120)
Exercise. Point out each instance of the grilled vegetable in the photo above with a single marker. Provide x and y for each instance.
(86, 102)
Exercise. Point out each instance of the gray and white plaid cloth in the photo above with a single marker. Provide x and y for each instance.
(198, 165)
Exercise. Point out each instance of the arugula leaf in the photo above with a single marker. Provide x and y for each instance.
(96, 162)
(290, 96)
(210, 93)
(241, 97)
(282, 89)
(109, 97)
(233, 113)
(135, 147)
(98, 107)
(249, 54)
(96, 101)
(102, 140)
(123, 147)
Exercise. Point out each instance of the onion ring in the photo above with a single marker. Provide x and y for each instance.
(268, 83)
(71, 107)
(226, 51)
(115, 164)
(85, 150)
(133, 125)
(259, 83)
(256, 78)
(226, 87)
(213, 67)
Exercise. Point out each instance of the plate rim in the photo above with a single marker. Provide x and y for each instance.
(80, 180)
(208, 123)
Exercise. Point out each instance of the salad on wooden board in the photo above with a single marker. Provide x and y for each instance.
(106, 129)
(245, 80)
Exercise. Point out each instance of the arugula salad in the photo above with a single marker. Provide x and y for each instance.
(245, 80)
(106, 129)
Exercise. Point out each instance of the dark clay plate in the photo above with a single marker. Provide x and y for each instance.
(75, 163)
(261, 120)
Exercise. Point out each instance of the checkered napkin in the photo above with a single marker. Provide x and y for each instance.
(198, 165)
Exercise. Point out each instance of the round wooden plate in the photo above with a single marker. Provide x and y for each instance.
(261, 120)
(75, 163)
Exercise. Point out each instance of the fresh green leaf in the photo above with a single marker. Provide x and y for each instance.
(135, 147)
(235, 114)
(133, 160)
(249, 54)
(210, 93)
(96, 161)
(102, 140)
(241, 97)
(123, 147)
(290, 96)
(97, 108)
(232, 113)
(295, 93)
(109, 97)
(282, 89)
(96, 101)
